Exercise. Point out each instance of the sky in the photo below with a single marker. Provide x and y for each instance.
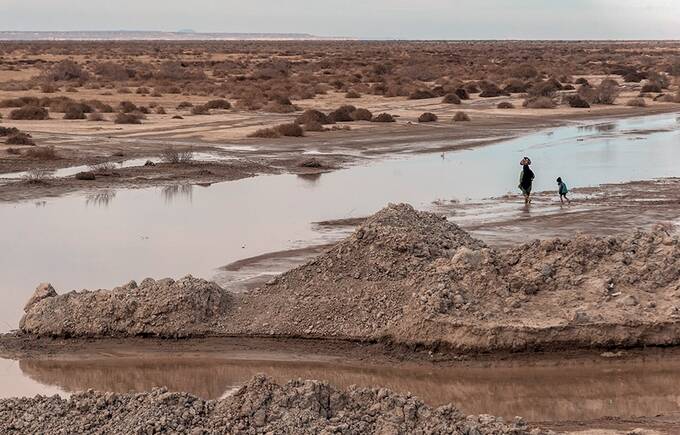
(401, 19)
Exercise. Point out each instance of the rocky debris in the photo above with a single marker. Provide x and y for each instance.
(44, 290)
(164, 308)
(86, 175)
(259, 407)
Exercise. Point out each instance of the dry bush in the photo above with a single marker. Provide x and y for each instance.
(95, 116)
(36, 176)
(505, 105)
(352, 94)
(184, 105)
(265, 133)
(127, 118)
(539, 103)
(383, 117)
(342, 114)
(292, 129)
(581, 81)
(20, 102)
(112, 71)
(218, 104)
(310, 115)
(659, 78)
(651, 87)
(576, 101)
(278, 107)
(428, 117)
(49, 88)
(490, 90)
(29, 113)
(362, 115)
(607, 92)
(42, 153)
(200, 110)
(451, 99)
(160, 110)
(461, 116)
(421, 94)
(13, 151)
(74, 111)
(8, 131)
(547, 88)
(127, 107)
(124, 90)
(142, 90)
(19, 138)
(99, 106)
(515, 86)
(171, 155)
(313, 126)
(636, 102)
(462, 93)
(67, 70)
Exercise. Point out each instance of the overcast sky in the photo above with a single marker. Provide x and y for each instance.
(406, 19)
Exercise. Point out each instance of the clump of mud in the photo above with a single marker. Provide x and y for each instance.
(261, 406)
(163, 308)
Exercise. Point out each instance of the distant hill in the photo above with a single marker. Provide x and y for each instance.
(124, 35)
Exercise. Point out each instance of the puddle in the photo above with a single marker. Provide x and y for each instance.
(103, 240)
(570, 391)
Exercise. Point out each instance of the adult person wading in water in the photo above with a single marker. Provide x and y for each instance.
(526, 179)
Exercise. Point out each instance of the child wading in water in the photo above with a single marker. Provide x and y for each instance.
(563, 190)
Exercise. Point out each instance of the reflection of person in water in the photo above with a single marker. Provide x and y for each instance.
(526, 179)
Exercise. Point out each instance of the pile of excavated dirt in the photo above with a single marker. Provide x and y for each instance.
(163, 308)
(414, 278)
(261, 406)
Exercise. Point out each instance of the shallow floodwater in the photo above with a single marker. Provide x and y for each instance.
(103, 240)
(570, 391)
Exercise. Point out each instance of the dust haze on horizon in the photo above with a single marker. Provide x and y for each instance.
(399, 19)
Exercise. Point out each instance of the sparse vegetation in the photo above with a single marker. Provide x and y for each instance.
(383, 117)
(19, 138)
(451, 99)
(461, 117)
(636, 102)
(428, 117)
(127, 118)
(505, 105)
(42, 153)
(35, 113)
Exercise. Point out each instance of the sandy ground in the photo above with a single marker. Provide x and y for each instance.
(224, 133)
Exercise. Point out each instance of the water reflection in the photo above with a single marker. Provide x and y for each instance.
(101, 198)
(567, 392)
(310, 178)
(182, 191)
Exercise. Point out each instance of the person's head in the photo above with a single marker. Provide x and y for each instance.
(526, 161)
(559, 180)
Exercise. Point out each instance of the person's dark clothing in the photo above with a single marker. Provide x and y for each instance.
(527, 178)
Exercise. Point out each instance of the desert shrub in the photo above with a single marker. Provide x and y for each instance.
(490, 90)
(451, 99)
(200, 110)
(539, 103)
(471, 88)
(427, 117)
(127, 107)
(112, 71)
(587, 93)
(29, 113)
(577, 102)
(313, 126)
(581, 81)
(127, 118)
(383, 117)
(7, 131)
(568, 87)
(421, 94)
(74, 111)
(67, 70)
(292, 129)
(505, 105)
(36, 176)
(124, 90)
(342, 114)
(546, 88)
(58, 104)
(49, 88)
(20, 102)
(362, 115)
(86, 175)
(313, 115)
(19, 138)
(13, 151)
(659, 78)
(634, 77)
(42, 153)
(171, 155)
(184, 105)
(651, 87)
(142, 90)
(636, 102)
(265, 133)
(515, 86)
(99, 106)
(352, 94)
(461, 116)
(524, 71)
(95, 116)
(278, 107)
(607, 92)
(218, 104)
(462, 94)
(160, 110)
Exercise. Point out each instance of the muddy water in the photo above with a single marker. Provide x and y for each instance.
(99, 241)
(542, 393)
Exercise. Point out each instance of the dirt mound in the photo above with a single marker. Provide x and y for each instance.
(261, 406)
(160, 308)
(360, 285)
